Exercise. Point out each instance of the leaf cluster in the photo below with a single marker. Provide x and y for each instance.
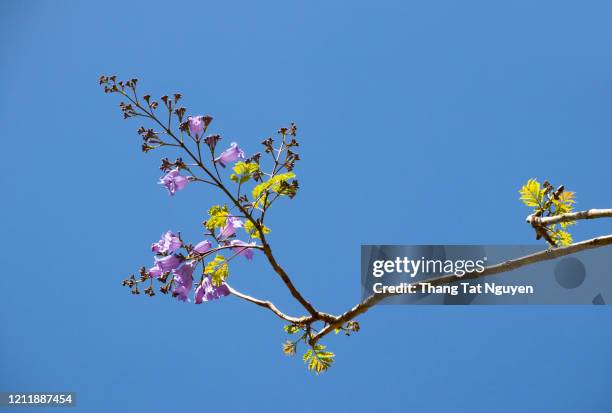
(218, 269)
(317, 359)
(548, 202)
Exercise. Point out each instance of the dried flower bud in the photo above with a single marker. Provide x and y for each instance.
(180, 112)
(255, 158)
(164, 277)
(289, 348)
(211, 141)
(146, 147)
(165, 165)
(267, 143)
(164, 289)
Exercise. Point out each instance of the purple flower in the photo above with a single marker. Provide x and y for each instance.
(202, 247)
(230, 226)
(174, 181)
(155, 271)
(164, 264)
(208, 292)
(196, 124)
(168, 243)
(183, 280)
(231, 154)
(243, 248)
(168, 263)
(199, 293)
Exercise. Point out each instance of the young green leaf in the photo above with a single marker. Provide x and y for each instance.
(317, 359)
(218, 270)
(532, 194)
(292, 328)
(243, 171)
(273, 184)
(250, 229)
(217, 217)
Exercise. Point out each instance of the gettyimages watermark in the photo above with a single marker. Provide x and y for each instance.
(465, 274)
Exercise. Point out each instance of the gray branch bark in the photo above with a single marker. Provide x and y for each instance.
(573, 216)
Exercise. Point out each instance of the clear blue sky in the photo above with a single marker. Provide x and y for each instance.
(428, 116)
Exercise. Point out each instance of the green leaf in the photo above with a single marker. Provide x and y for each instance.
(532, 194)
(217, 217)
(220, 274)
(292, 328)
(563, 238)
(565, 203)
(250, 229)
(313, 363)
(325, 355)
(317, 359)
(218, 270)
(243, 171)
(274, 184)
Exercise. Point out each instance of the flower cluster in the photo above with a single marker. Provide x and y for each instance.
(174, 269)
(248, 198)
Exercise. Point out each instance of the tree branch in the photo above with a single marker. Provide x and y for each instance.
(503, 267)
(294, 292)
(572, 216)
(269, 305)
(332, 322)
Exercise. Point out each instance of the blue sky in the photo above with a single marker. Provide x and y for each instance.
(419, 122)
